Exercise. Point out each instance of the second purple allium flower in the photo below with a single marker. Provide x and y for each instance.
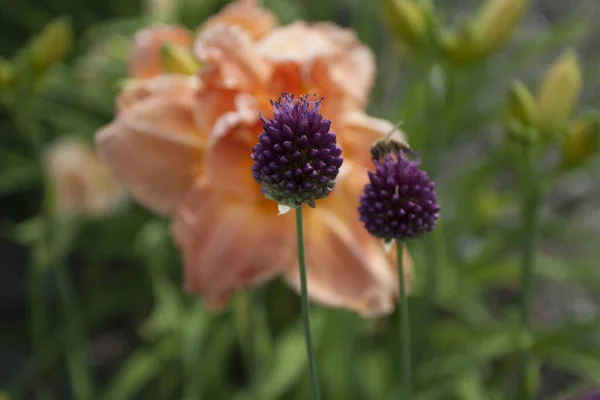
(297, 159)
(400, 201)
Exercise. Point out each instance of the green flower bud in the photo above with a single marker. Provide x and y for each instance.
(495, 22)
(51, 45)
(581, 141)
(407, 19)
(521, 104)
(558, 95)
(7, 73)
(178, 60)
(462, 45)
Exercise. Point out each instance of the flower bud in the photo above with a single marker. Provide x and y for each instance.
(461, 46)
(81, 183)
(558, 94)
(7, 72)
(178, 60)
(521, 104)
(51, 45)
(297, 159)
(581, 141)
(495, 22)
(407, 19)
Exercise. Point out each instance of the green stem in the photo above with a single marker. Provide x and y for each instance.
(77, 364)
(246, 327)
(312, 365)
(530, 206)
(405, 327)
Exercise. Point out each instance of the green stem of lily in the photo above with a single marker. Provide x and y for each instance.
(530, 207)
(312, 365)
(404, 328)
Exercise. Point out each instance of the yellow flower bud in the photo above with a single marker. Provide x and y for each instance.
(521, 104)
(495, 22)
(461, 46)
(51, 45)
(178, 60)
(407, 19)
(558, 94)
(7, 72)
(581, 141)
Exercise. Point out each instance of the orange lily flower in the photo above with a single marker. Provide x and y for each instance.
(182, 145)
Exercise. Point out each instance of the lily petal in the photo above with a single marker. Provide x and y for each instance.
(155, 148)
(228, 154)
(167, 86)
(345, 268)
(353, 63)
(230, 58)
(330, 57)
(146, 59)
(227, 246)
(247, 14)
(350, 267)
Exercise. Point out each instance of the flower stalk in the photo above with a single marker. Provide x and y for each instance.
(530, 210)
(404, 328)
(312, 365)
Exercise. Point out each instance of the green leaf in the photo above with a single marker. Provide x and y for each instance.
(17, 176)
(470, 387)
(141, 368)
(289, 360)
(586, 363)
(195, 330)
(576, 334)
(472, 355)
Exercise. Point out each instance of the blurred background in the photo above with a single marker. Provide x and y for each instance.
(92, 307)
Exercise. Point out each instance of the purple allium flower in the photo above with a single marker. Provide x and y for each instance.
(400, 201)
(591, 396)
(297, 159)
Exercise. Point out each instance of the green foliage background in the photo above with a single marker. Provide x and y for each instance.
(93, 309)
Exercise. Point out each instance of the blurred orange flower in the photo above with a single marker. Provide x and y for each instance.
(182, 145)
(81, 183)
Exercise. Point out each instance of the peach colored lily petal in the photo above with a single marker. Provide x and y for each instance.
(359, 131)
(288, 77)
(229, 56)
(145, 59)
(345, 268)
(247, 14)
(378, 265)
(353, 67)
(168, 86)
(329, 56)
(227, 246)
(228, 154)
(155, 148)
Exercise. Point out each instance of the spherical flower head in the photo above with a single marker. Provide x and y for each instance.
(297, 159)
(400, 201)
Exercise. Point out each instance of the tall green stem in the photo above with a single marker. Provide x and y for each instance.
(312, 365)
(530, 205)
(405, 328)
(77, 364)
(245, 321)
